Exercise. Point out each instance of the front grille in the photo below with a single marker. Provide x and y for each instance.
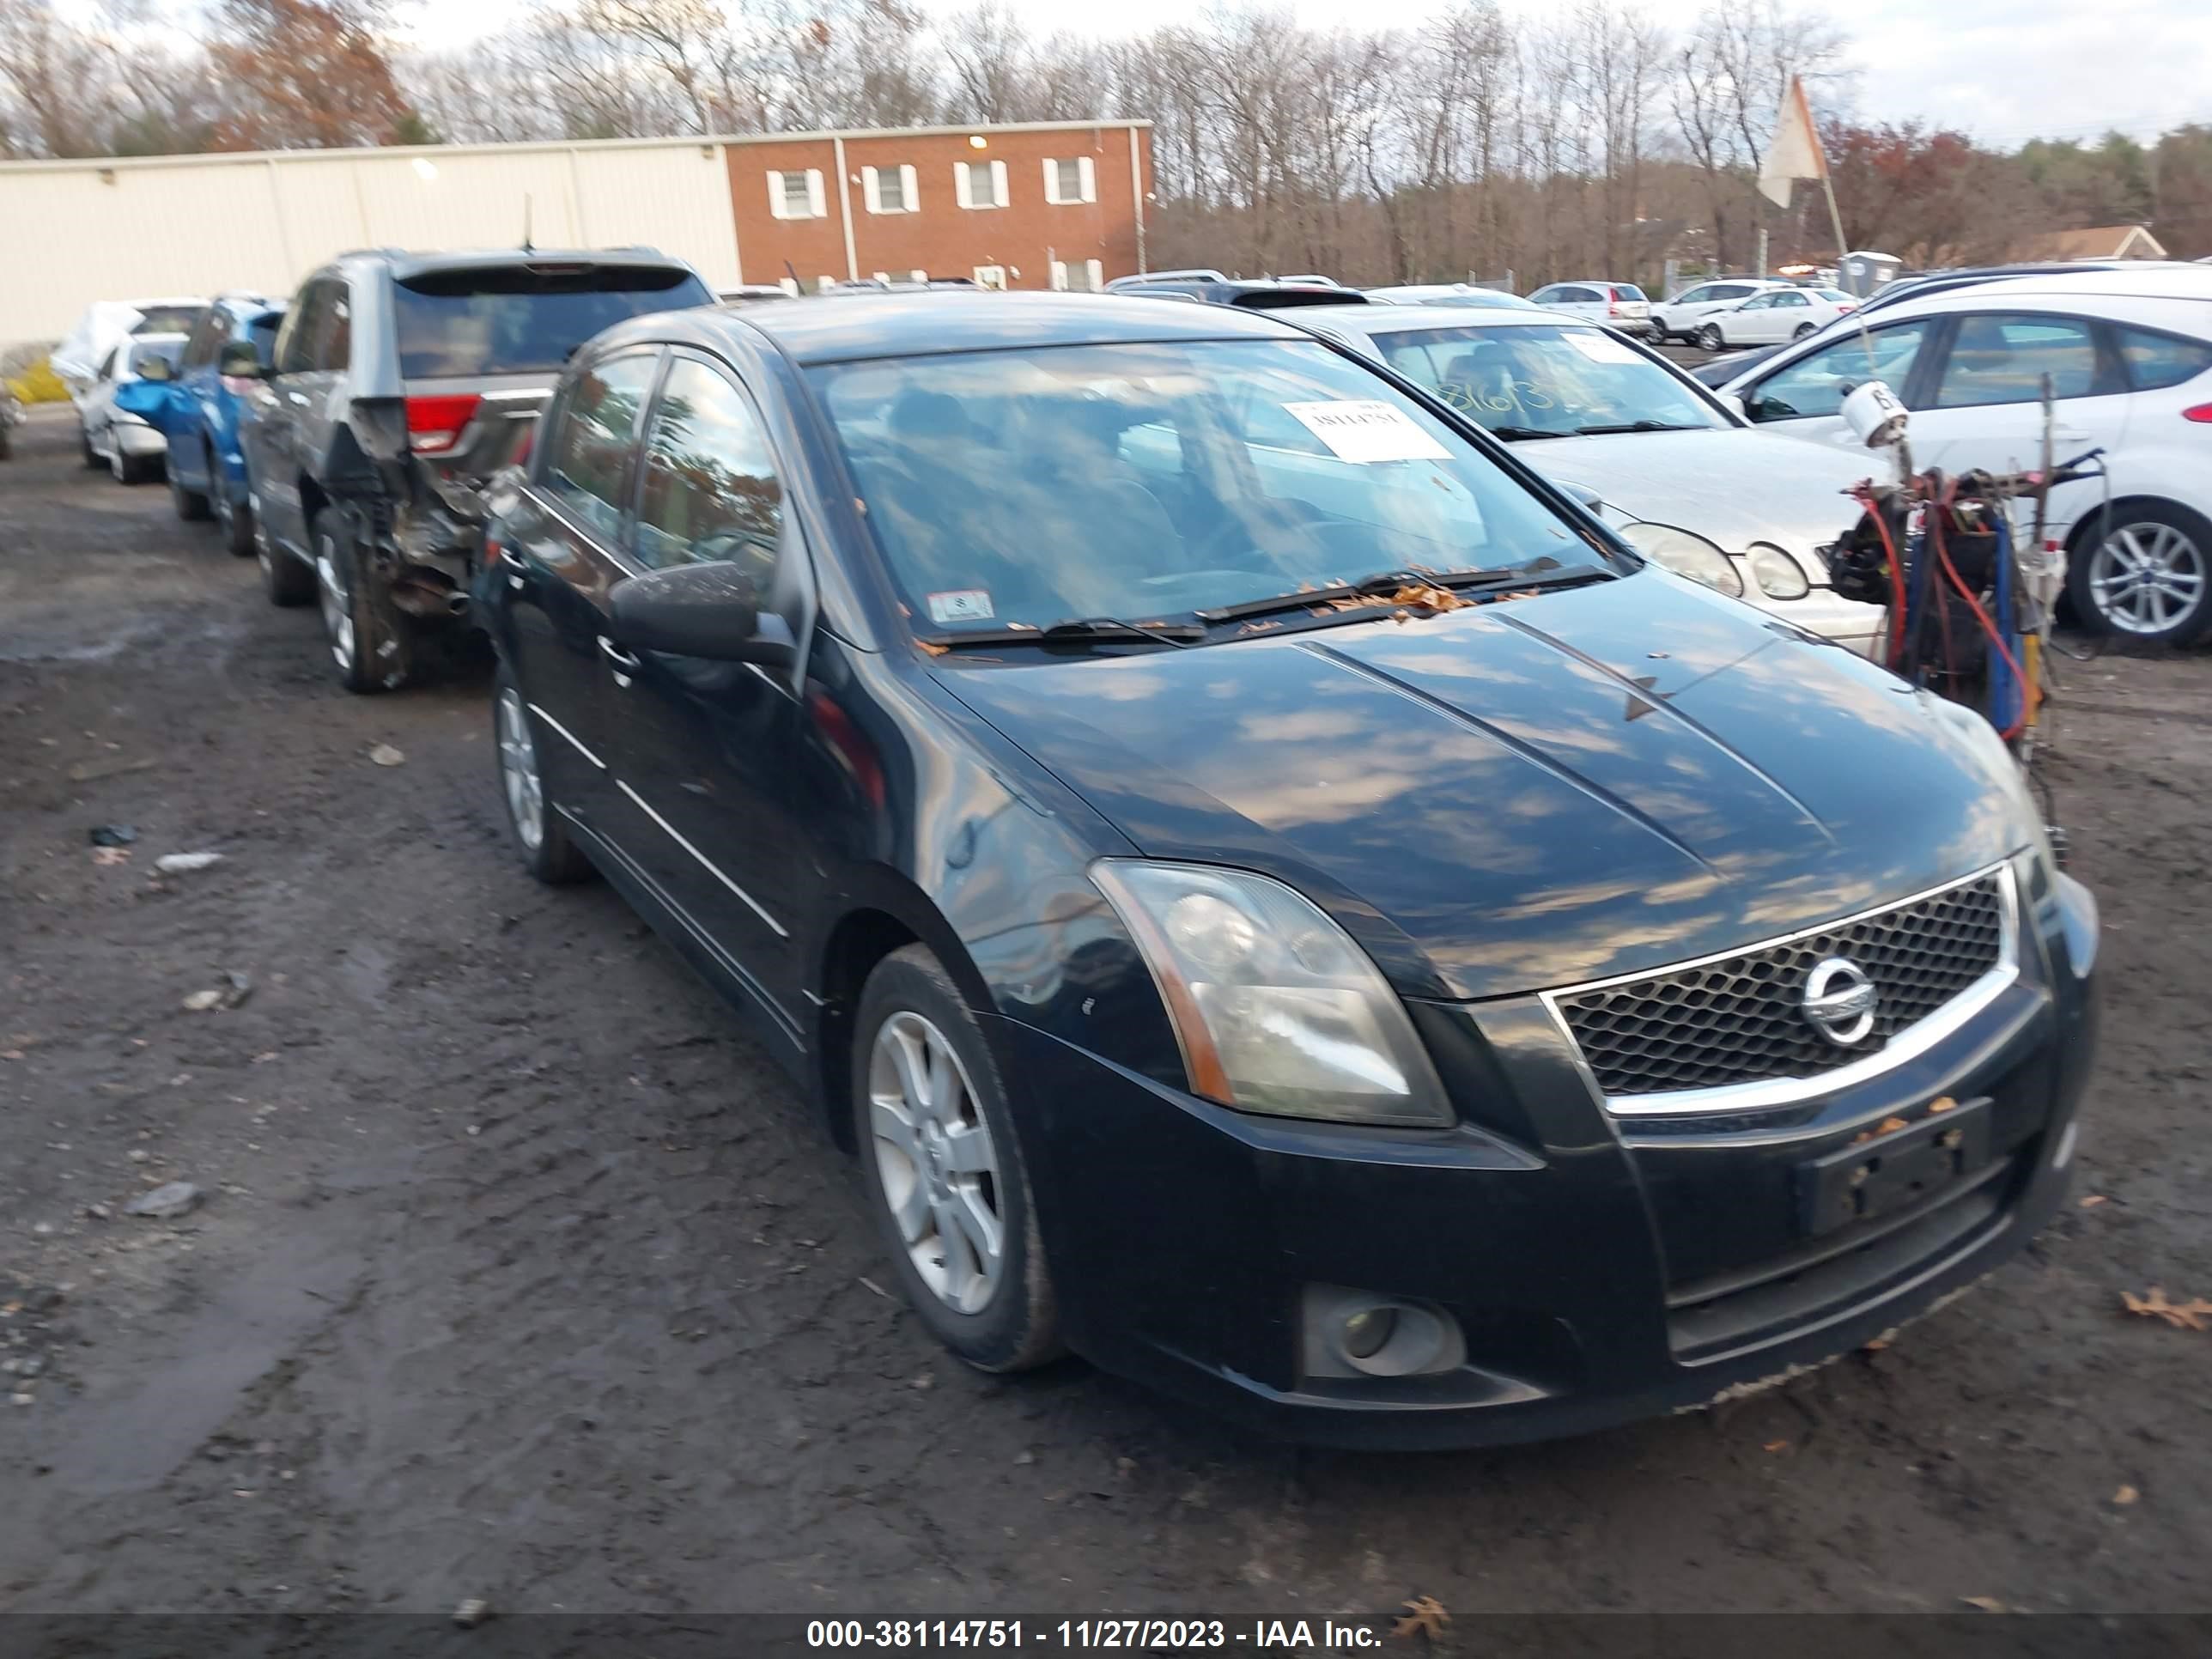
(1740, 1020)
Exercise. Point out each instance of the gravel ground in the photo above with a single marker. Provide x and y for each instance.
(518, 1273)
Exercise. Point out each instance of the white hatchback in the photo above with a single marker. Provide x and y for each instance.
(2129, 357)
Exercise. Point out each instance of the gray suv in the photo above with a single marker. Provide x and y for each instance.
(401, 383)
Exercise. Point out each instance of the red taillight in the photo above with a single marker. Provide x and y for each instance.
(2202, 414)
(436, 424)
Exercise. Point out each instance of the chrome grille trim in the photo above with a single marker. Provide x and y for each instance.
(1766, 1093)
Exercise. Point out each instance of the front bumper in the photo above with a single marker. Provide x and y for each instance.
(138, 440)
(1599, 1269)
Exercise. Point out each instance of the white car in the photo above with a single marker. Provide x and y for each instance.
(2129, 353)
(1788, 313)
(1666, 461)
(1681, 316)
(1447, 294)
(77, 359)
(1617, 304)
(131, 449)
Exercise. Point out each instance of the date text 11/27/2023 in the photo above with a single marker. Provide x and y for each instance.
(1129, 1635)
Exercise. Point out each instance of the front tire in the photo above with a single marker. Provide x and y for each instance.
(541, 835)
(943, 1168)
(371, 642)
(1804, 329)
(2145, 574)
(1711, 337)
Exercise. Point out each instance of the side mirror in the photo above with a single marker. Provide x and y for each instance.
(158, 370)
(1732, 402)
(717, 611)
(1589, 498)
(240, 361)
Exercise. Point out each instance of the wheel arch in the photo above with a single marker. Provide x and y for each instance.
(885, 912)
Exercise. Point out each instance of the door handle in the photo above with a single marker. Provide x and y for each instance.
(623, 663)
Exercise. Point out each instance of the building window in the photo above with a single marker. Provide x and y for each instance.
(1070, 181)
(795, 195)
(1078, 275)
(990, 275)
(980, 183)
(889, 189)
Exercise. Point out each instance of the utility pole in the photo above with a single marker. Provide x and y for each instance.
(1761, 271)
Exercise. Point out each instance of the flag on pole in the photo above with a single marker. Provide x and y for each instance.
(1795, 152)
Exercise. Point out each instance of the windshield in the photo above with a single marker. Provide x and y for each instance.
(1545, 377)
(167, 319)
(521, 319)
(1142, 481)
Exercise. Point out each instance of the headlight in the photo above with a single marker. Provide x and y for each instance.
(1686, 555)
(1277, 1010)
(1778, 575)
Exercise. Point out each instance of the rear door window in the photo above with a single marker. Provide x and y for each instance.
(1996, 359)
(588, 464)
(525, 319)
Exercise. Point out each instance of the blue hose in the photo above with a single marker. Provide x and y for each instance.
(2005, 690)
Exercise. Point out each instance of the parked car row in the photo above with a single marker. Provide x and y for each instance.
(1278, 894)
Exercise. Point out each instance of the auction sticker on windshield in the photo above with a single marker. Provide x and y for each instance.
(961, 605)
(1600, 347)
(1367, 431)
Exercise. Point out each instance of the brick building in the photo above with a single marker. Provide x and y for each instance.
(1057, 205)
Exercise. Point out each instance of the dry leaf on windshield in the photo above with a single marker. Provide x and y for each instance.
(1943, 1103)
(2188, 1315)
(1428, 597)
(1258, 627)
(933, 647)
(1425, 1616)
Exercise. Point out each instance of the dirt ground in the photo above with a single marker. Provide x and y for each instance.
(519, 1273)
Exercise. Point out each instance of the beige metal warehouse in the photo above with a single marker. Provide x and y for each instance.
(80, 231)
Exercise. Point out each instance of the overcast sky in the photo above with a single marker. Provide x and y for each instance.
(2003, 70)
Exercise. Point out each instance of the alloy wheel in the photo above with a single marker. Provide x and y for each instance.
(518, 770)
(337, 603)
(2146, 578)
(939, 1171)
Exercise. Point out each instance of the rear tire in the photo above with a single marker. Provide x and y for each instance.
(233, 517)
(372, 645)
(2143, 575)
(541, 835)
(191, 504)
(1710, 339)
(936, 1140)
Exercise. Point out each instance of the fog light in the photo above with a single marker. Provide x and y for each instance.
(1366, 1331)
(1356, 1334)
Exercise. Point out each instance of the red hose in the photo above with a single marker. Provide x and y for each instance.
(1896, 576)
(1996, 638)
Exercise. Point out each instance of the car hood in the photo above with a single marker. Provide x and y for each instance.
(1732, 486)
(1529, 794)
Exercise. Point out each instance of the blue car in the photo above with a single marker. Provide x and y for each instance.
(198, 408)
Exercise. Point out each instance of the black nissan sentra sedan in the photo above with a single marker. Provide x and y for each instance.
(1277, 898)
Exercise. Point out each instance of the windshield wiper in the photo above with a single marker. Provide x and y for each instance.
(1075, 630)
(1377, 589)
(1636, 426)
(1515, 433)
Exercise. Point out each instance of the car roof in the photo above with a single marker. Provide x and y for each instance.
(404, 264)
(1400, 320)
(2175, 282)
(863, 325)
